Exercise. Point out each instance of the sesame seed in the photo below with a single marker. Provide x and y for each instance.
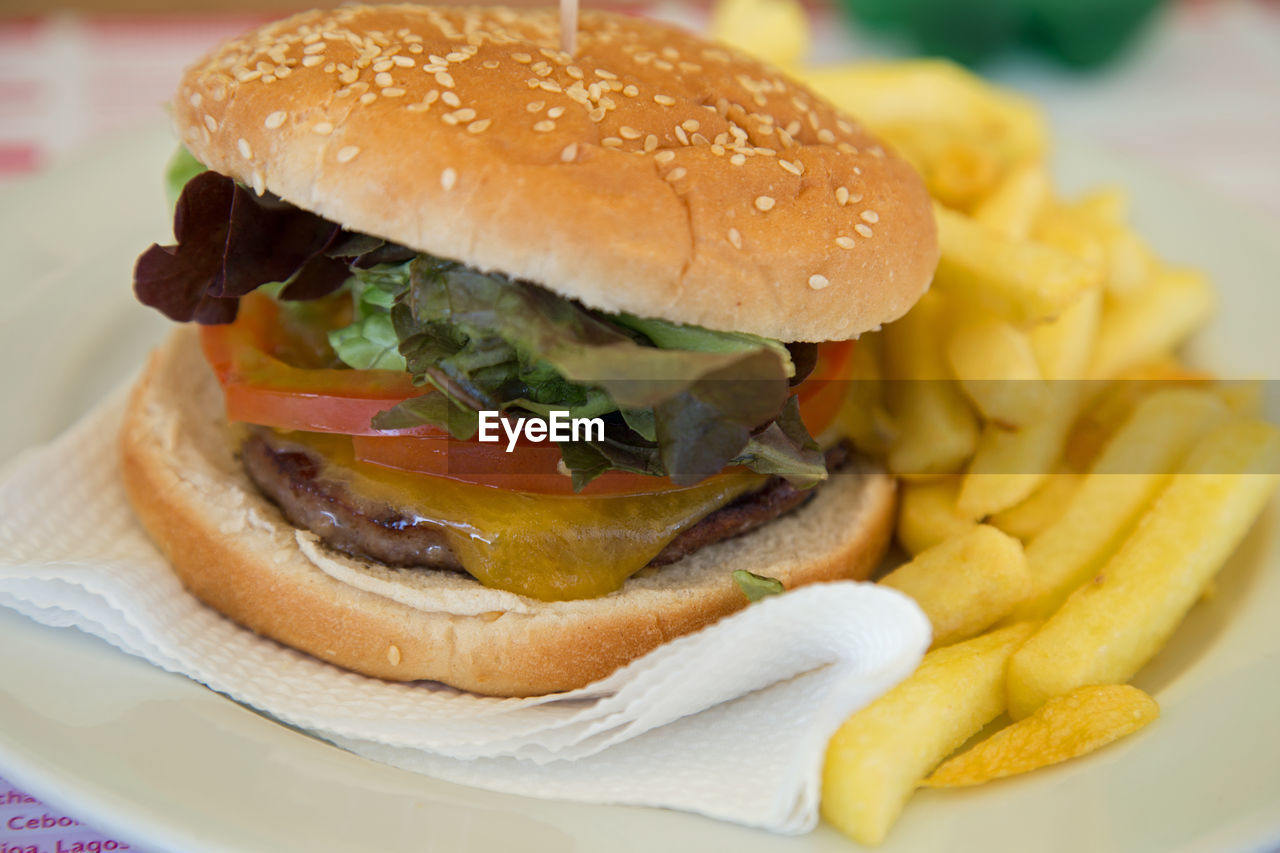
(195, 100)
(383, 79)
(606, 75)
(569, 153)
(451, 99)
(448, 178)
(402, 61)
(368, 98)
(464, 114)
(323, 128)
(491, 64)
(555, 112)
(544, 126)
(796, 168)
(611, 142)
(717, 149)
(650, 143)
(826, 137)
(347, 154)
(535, 106)
(738, 159)
(596, 114)
(664, 156)
(681, 135)
(311, 61)
(393, 655)
(550, 86)
(522, 58)
(846, 148)
(211, 123)
(864, 230)
(242, 145)
(765, 152)
(393, 92)
(870, 216)
(764, 203)
(845, 242)
(842, 196)
(665, 100)
(479, 126)
(690, 124)
(817, 282)
(630, 91)
(444, 79)
(316, 47)
(259, 182)
(384, 65)
(735, 237)
(677, 173)
(275, 119)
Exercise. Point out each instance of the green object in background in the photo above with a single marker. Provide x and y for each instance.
(1087, 33)
(1082, 33)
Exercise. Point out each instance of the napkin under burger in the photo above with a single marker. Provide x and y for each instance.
(400, 220)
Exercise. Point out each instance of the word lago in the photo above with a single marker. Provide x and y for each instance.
(557, 426)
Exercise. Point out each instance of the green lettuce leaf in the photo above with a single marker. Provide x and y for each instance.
(486, 342)
(370, 341)
(756, 587)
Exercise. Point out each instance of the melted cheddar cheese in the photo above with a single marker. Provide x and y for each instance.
(549, 547)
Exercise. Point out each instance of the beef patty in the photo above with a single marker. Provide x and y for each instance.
(290, 476)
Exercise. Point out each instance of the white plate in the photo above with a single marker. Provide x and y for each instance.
(162, 761)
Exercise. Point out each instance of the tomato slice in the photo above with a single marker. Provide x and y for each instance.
(261, 387)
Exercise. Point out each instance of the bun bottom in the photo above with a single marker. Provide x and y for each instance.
(235, 552)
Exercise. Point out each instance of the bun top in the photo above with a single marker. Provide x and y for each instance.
(651, 172)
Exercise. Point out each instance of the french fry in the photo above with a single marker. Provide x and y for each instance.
(1064, 346)
(997, 368)
(1109, 628)
(1084, 720)
(1112, 403)
(946, 121)
(1074, 233)
(878, 757)
(1021, 280)
(1147, 324)
(1024, 520)
(776, 31)
(1123, 482)
(1106, 205)
(1130, 264)
(864, 416)
(936, 429)
(927, 514)
(1017, 202)
(965, 584)
(1008, 466)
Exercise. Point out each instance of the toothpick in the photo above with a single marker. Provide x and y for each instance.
(569, 26)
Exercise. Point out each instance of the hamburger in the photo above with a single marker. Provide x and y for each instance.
(405, 230)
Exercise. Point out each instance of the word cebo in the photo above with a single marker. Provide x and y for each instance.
(557, 426)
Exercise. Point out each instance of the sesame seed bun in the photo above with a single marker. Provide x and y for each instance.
(234, 551)
(651, 172)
